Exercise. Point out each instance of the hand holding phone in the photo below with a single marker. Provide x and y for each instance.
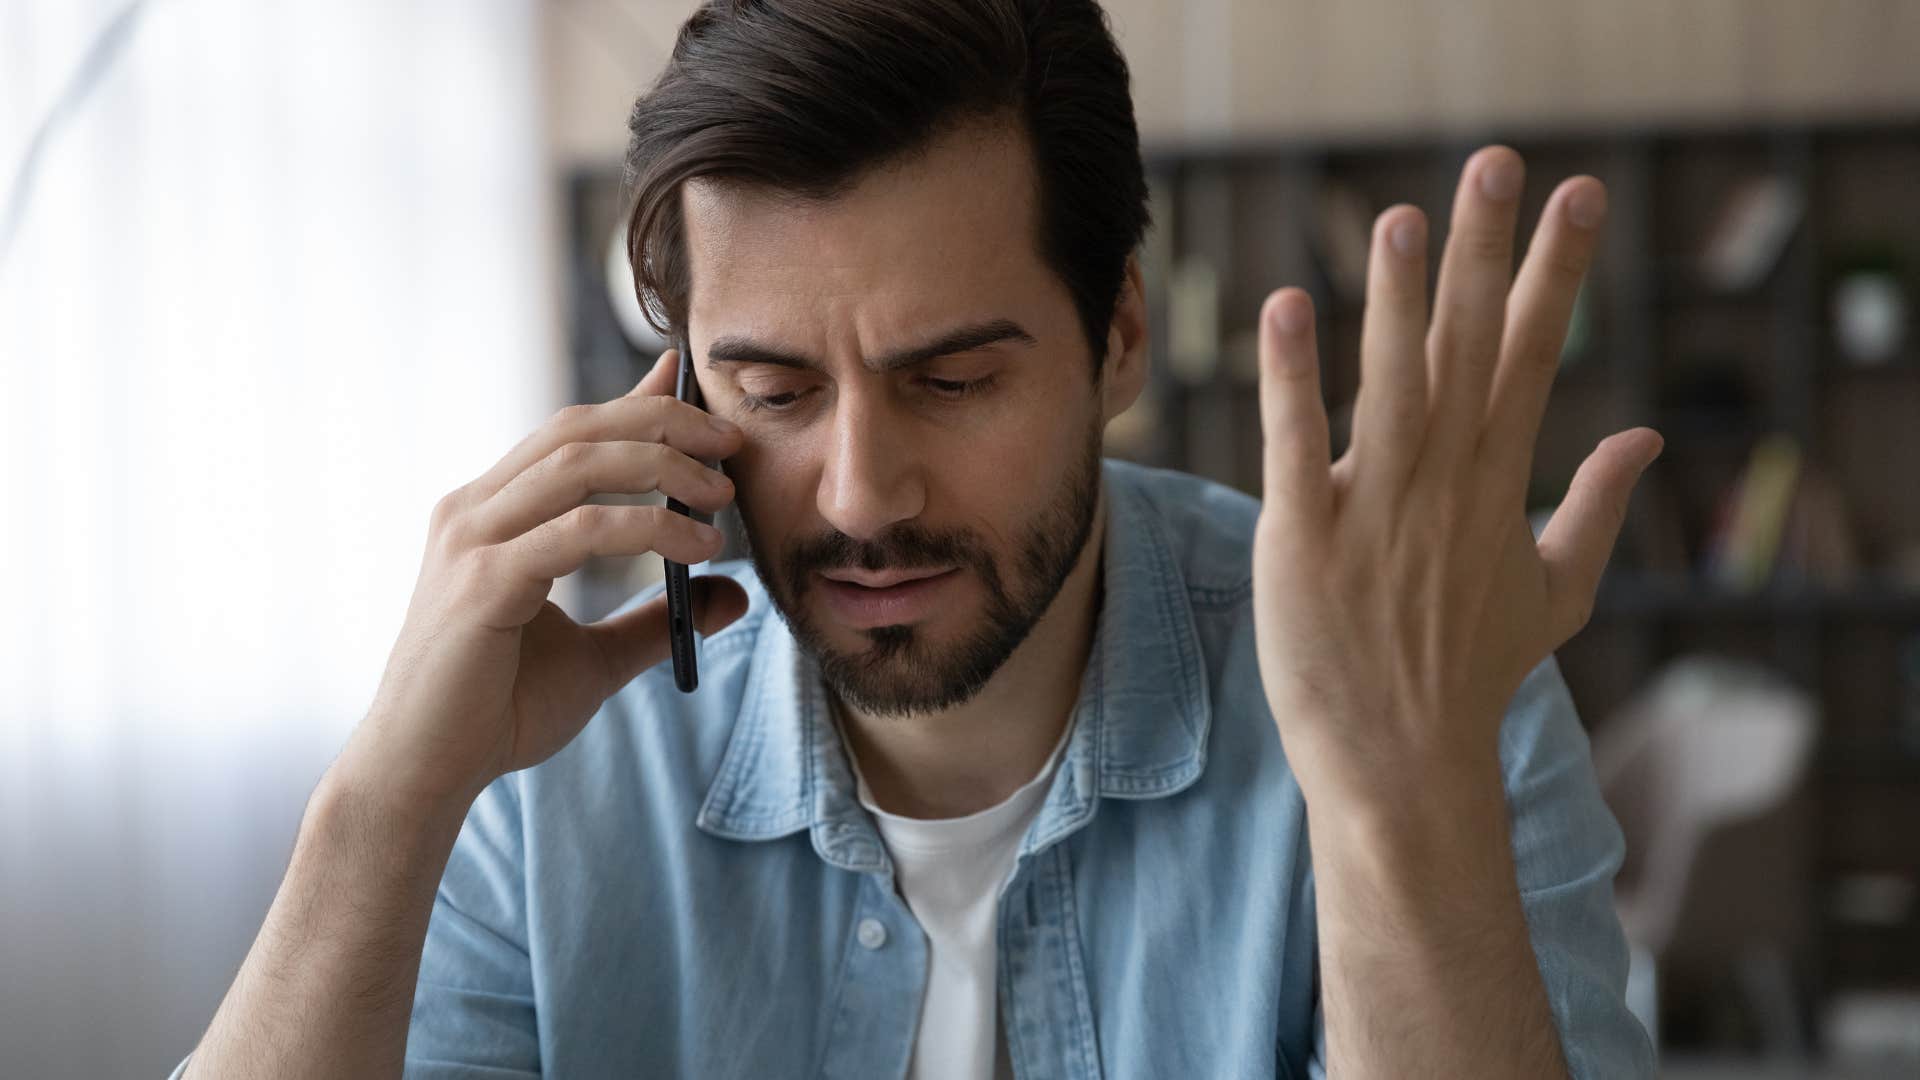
(488, 674)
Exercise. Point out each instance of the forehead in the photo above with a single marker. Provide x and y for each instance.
(943, 234)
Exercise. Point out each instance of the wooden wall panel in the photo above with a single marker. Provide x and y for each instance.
(1211, 69)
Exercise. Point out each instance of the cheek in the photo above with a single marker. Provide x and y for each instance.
(771, 491)
(1003, 484)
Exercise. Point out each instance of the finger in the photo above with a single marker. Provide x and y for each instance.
(1293, 419)
(660, 378)
(636, 640)
(634, 417)
(558, 547)
(1390, 414)
(1538, 311)
(1476, 270)
(1579, 538)
(576, 471)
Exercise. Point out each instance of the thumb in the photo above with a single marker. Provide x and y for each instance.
(636, 640)
(717, 601)
(1579, 538)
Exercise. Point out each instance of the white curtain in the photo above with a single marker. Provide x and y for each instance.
(285, 274)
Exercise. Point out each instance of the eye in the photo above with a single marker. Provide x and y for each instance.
(944, 389)
(772, 402)
(958, 388)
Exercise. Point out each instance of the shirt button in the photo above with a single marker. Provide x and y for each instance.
(872, 934)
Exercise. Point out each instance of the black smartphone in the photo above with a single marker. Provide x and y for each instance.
(686, 643)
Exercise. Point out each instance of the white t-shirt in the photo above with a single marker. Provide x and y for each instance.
(951, 872)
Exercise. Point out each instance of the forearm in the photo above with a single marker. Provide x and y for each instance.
(1426, 966)
(327, 988)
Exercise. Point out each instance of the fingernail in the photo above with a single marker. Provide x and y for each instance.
(1405, 236)
(1289, 316)
(707, 532)
(723, 425)
(1587, 205)
(1500, 179)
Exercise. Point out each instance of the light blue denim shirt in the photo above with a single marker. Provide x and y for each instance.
(692, 889)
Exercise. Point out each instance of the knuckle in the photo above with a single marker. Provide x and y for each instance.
(1488, 244)
(476, 566)
(449, 531)
(452, 502)
(446, 510)
(656, 458)
(1463, 349)
(453, 537)
(569, 456)
(1568, 260)
(1402, 285)
(589, 518)
(572, 416)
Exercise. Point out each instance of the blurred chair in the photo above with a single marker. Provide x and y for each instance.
(1704, 769)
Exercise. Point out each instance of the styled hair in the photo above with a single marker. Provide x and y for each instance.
(804, 96)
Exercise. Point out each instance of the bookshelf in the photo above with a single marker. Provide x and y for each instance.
(1716, 363)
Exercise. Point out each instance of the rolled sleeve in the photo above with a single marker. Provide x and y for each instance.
(473, 1007)
(1567, 846)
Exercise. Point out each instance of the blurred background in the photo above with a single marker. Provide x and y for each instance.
(275, 277)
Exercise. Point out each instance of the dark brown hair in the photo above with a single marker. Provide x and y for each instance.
(803, 96)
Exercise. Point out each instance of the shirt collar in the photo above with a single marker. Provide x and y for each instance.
(1139, 732)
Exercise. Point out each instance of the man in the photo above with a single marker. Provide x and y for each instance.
(1011, 762)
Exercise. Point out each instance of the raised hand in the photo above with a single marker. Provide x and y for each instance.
(1400, 596)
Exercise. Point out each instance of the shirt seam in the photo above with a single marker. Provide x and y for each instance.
(1220, 597)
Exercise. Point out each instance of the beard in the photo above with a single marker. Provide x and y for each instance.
(900, 672)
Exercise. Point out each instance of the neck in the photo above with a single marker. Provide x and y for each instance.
(973, 756)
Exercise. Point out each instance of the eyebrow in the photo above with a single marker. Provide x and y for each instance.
(743, 350)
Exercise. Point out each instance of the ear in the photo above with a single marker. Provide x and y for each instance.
(1124, 372)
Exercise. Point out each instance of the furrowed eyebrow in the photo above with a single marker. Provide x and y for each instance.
(743, 350)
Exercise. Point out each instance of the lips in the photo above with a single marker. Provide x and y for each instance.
(897, 598)
(881, 579)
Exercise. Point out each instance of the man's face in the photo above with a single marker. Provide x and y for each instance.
(923, 423)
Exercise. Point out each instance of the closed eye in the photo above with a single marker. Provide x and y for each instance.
(946, 389)
(770, 402)
(958, 388)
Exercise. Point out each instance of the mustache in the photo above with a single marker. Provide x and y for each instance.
(903, 547)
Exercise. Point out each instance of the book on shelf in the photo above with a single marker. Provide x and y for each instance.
(1345, 235)
(1818, 548)
(1753, 516)
(1752, 230)
(1193, 320)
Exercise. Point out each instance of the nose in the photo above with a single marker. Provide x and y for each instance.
(872, 477)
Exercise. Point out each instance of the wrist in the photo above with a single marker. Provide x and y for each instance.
(1433, 850)
(1407, 811)
(389, 760)
(1392, 779)
(360, 793)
